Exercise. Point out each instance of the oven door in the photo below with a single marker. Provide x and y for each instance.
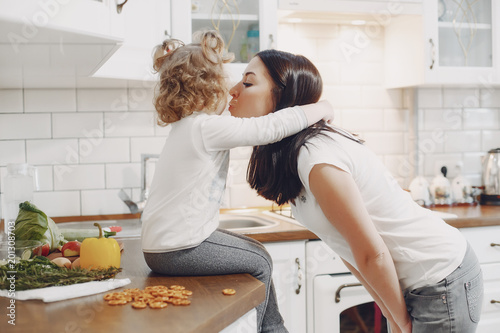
(342, 305)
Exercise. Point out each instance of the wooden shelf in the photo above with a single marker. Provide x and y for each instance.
(451, 25)
(225, 17)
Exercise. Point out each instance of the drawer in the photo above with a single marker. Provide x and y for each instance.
(490, 313)
(321, 259)
(481, 240)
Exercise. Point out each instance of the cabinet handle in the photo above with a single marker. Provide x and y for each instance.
(494, 244)
(271, 42)
(433, 53)
(119, 6)
(494, 301)
(299, 276)
(345, 285)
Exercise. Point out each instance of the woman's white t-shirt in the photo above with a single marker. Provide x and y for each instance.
(190, 176)
(424, 248)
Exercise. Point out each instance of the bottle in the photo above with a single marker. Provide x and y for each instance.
(441, 188)
(244, 50)
(252, 42)
(20, 183)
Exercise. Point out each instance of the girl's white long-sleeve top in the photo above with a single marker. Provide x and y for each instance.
(190, 176)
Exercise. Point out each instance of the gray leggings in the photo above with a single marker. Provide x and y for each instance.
(226, 252)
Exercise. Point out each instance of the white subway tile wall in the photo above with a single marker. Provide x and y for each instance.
(49, 100)
(87, 143)
(457, 127)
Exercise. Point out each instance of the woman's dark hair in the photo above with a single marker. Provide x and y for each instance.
(272, 169)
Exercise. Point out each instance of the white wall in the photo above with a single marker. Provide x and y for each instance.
(87, 143)
(457, 126)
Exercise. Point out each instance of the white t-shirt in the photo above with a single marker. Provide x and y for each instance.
(424, 248)
(190, 176)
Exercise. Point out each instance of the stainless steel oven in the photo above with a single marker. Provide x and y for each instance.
(336, 302)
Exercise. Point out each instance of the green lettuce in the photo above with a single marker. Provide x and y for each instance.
(32, 223)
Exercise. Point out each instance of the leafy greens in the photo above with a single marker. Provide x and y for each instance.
(32, 223)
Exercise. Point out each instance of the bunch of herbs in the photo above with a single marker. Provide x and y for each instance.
(40, 272)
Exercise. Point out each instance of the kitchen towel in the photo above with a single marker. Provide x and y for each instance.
(59, 293)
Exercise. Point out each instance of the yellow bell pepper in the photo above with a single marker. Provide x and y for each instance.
(99, 252)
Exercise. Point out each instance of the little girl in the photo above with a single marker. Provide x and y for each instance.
(180, 234)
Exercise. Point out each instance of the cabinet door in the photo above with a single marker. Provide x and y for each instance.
(83, 18)
(289, 281)
(247, 26)
(146, 24)
(452, 42)
(490, 313)
(485, 241)
(460, 39)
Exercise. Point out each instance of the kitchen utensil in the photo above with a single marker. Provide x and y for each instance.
(420, 192)
(441, 188)
(491, 178)
(20, 183)
(20, 249)
(461, 188)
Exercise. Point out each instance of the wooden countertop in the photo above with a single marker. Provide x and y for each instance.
(467, 217)
(472, 216)
(210, 311)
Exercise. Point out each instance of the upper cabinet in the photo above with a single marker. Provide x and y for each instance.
(146, 24)
(374, 7)
(452, 43)
(79, 43)
(247, 26)
(50, 43)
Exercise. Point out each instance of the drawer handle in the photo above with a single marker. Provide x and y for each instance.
(494, 244)
(433, 53)
(494, 301)
(345, 285)
(119, 6)
(299, 276)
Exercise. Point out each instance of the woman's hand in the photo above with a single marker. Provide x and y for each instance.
(321, 110)
(406, 328)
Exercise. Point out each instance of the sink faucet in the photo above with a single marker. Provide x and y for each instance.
(147, 171)
(135, 207)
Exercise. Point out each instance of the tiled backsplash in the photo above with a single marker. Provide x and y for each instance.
(457, 126)
(87, 143)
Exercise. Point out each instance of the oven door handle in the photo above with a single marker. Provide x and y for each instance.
(345, 285)
(299, 276)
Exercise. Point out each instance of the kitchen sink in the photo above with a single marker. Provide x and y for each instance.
(132, 227)
(245, 222)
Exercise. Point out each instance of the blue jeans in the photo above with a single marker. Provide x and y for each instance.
(452, 305)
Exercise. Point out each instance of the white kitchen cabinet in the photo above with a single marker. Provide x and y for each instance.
(352, 6)
(247, 26)
(146, 24)
(81, 17)
(289, 281)
(246, 323)
(51, 43)
(451, 43)
(486, 244)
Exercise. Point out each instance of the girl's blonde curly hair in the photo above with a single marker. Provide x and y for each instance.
(191, 76)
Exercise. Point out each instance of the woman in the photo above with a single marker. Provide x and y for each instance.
(419, 270)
